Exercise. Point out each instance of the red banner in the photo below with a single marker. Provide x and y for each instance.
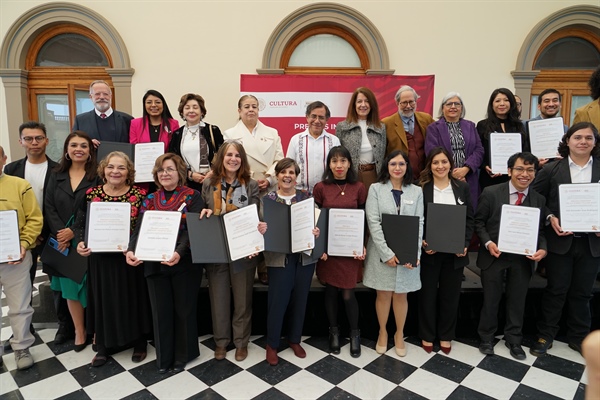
(283, 98)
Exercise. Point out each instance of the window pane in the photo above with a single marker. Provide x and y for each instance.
(83, 102)
(569, 53)
(576, 102)
(324, 50)
(70, 49)
(53, 111)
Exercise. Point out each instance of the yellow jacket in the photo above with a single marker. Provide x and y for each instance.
(17, 194)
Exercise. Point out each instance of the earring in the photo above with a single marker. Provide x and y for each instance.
(89, 158)
(67, 157)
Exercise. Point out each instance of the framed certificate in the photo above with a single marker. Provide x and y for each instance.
(289, 228)
(545, 135)
(502, 146)
(158, 235)
(579, 207)
(519, 228)
(107, 227)
(346, 232)
(10, 245)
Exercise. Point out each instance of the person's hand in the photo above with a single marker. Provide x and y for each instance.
(173, 260)
(262, 227)
(361, 256)
(22, 257)
(64, 235)
(543, 161)
(197, 177)
(424, 244)
(490, 173)
(460, 173)
(82, 250)
(324, 257)
(208, 174)
(493, 249)
(316, 232)
(598, 234)
(392, 262)
(464, 253)
(263, 184)
(555, 223)
(39, 240)
(96, 143)
(205, 212)
(538, 255)
(132, 259)
(410, 266)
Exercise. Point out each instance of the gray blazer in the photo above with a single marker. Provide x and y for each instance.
(350, 136)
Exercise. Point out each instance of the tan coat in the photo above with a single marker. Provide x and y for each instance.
(396, 136)
(589, 113)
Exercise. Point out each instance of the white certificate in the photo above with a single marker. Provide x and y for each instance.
(545, 135)
(108, 226)
(579, 207)
(346, 232)
(502, 146)
(243, 237)
(158, 235)
(145, 156)
(519, 229)
(303, 222)
(10, 245)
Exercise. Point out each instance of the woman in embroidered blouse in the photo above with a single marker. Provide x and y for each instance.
(441, 273)
(363, 134)
(460, 138)
(340, 189)
(118, 311)
(290, 275)
(156, 124)
(229, 188)
(173, 285)
(393, 194)
(196, 142)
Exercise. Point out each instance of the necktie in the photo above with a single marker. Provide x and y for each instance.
(519, 198)
(411, 127)
(102, 115)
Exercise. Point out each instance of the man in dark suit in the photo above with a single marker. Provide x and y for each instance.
(103, 123)
(494, 263)
(35, 168)
(574, 257)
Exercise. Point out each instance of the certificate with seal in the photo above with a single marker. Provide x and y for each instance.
(145, 156)
(158, 235)
(107, 227)
(519, 229)
(289, 228)
(241, 228)
(10, 245)
(346, 232)
(502, 146)
(579, 207)
(545, 135)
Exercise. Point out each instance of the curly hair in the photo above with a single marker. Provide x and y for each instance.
(188, 97)
(594, 84)
(563, 147)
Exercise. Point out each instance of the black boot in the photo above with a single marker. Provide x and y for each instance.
(355, 343)
(334, 340)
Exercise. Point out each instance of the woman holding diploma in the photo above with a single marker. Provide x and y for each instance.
(290, 275)
(67, 186)
(173, 284)
(118, 311)
(393, 194)
(502, 116)
(227, 189)
(441, 273)
(340, 189)
(156, 124)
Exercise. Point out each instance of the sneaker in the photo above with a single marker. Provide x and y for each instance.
(23, 359)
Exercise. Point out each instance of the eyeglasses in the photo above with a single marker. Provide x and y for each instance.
(314, 117)
(520, 170)
(397, 164)
(30, 139)
(408, 103)
(453, 104)
(168, 171)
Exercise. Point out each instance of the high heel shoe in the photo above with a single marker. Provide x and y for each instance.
(427, 347)
(334, 340)
(355, 343)
(400, 351)
(381, 349)
(446, 349)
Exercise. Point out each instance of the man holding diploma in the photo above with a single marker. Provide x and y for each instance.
(521, 170)
(17, 194)
(573, 262)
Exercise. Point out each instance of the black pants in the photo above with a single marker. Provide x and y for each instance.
(570, 278)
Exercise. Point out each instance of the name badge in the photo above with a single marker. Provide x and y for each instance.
(407, 201)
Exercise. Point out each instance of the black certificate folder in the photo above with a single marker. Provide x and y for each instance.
(446, 225)
(278, 216)
(207, 239)
(401, 234)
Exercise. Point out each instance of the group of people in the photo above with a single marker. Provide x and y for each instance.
(395, 165)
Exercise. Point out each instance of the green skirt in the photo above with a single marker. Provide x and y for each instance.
(70, 289)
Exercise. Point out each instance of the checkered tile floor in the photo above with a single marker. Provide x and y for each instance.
(59, 372)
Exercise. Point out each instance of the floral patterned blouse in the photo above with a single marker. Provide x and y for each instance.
(134, 196)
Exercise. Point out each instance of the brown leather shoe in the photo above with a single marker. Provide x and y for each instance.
(297, 349)
(241, 353)
(263, 277)
(220, 353)
(272, 358)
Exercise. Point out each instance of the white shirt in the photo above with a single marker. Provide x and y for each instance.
(35, 174)
(366, 150)
(108, 112)
(444, 196)
(311, 155)
(581, 174)
(512, 193)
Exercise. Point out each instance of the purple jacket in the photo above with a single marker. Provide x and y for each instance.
(438, 136)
